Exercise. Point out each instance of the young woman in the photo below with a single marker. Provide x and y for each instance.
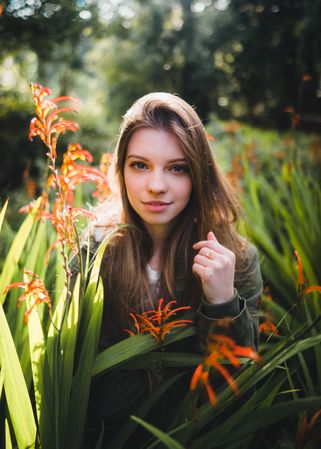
(180, 240)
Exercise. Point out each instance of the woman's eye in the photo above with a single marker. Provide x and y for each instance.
(179, 168)
(138, 165)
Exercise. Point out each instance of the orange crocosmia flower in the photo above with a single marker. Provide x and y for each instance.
(237, 171)
(232, 127)
(136, 325)
(306, 77)
(295, 116)
(73, 173)
(29, 184)
(309, 430)
(201, 377)
(311, 289)
(221, 347)
(105, 162)
(33, 289)
(300, 270)
(303, 289)
(103, 188)
(210, 137)
(155, 322)
(48, 124)
(38, 211)
(226, 345)
(64, 218)
(28, 208)
(289, 109)
(268, 327)
(296, 119)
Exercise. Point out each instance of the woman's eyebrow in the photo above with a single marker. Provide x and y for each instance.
(170, 161)
(182, 159)
(136, 156)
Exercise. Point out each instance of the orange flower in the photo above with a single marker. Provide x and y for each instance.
(232, 127)
(48, 124)
(154, 322)
(210, 137)
(221, 347)
(237, 171)
(301, 280)
(309, 430)
(73, 174)
(295, 116)
(306, 77)
(201, 377)
(103, 188)
(34, 289)
(64, 218)
(29, 183)
(311, 288)
(303, 289)
(268, 327)
(39, 211)
(226, 347)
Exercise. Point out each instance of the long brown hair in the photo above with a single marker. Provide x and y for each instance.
(212, 207)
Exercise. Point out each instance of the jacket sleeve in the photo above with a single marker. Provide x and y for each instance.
(242, 309)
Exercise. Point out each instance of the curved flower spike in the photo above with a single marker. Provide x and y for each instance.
(300, 270)
(48, 124)
(33, 289)
(303, 288)
(268, 327)
(155, 322)
(64, 218)
(221, 347)
(73, 173)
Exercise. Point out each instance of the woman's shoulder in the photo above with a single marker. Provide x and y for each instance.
(249, 253)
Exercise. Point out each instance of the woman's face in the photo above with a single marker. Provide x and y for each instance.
(157, 178)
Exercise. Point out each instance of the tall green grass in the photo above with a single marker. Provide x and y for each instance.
(47, 366)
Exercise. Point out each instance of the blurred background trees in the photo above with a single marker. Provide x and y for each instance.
(257, 61)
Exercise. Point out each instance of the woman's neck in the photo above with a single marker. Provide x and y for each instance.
(158, 245)
(158, 236)
(156, 257)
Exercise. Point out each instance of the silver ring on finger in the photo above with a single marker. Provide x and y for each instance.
(209, 253)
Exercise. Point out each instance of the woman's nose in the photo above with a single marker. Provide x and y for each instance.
(157, 182)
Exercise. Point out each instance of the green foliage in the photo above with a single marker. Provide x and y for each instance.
(52, 362)
(15, 388)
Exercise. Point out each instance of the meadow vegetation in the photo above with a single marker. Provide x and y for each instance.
(49, 346)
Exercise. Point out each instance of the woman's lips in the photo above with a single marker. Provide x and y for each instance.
(156, 206)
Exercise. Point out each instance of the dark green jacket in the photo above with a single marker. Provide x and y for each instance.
(118, 394)
(242, 308)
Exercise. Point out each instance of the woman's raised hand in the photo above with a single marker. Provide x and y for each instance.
(215, 266)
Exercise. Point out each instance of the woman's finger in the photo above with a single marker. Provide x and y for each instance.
(211, 236)
(207, 252)
(201, 271)
(211, 245)
(203, 260)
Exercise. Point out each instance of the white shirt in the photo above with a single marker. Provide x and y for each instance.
(153, 279)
